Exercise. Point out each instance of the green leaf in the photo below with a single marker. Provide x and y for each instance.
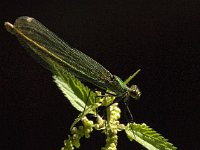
(77, 93)
(147, 137)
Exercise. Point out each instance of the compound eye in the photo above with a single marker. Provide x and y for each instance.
(135, 92)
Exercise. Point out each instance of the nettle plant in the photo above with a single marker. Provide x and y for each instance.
(69, 66)
(77, 93)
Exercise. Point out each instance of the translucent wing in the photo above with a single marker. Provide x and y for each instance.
(46, 47)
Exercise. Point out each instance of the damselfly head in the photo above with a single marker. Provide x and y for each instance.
(134, 92)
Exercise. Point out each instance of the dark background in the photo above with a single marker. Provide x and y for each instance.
(160, 37)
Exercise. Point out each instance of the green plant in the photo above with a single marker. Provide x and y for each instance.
(77, 94)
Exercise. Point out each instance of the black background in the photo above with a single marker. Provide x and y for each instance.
(160, 37)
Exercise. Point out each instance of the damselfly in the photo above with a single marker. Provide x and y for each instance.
(46, 47)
